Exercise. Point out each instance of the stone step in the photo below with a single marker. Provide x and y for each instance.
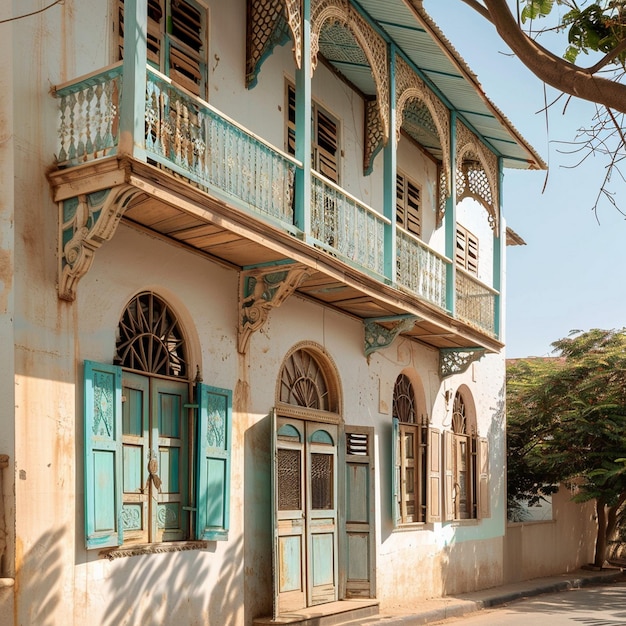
(330, 614)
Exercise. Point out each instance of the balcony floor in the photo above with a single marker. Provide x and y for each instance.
(170, 206)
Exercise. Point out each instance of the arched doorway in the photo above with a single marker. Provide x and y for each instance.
(305, 471)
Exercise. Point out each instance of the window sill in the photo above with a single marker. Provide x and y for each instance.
(152, 548)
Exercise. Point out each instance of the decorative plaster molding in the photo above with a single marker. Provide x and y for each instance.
(87, 221)
(261, 290)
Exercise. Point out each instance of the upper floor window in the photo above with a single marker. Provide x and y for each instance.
(408, 204)
(466, 250)
(325, 150)
(176, 41)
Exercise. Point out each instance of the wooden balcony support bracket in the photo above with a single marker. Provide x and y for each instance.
(457, 360)
(86, 222)
(261, 290)
(378, 336)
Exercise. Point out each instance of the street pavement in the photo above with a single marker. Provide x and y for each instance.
(597, 598)
(603, 605)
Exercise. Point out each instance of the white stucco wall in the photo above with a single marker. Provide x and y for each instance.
(58, 581)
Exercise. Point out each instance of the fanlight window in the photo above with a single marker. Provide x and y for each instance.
(303, 383)
(150, 338)
(459, 421)
(404, 400)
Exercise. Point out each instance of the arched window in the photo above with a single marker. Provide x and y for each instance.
(411, 436)
(153, 454)
(304, 383)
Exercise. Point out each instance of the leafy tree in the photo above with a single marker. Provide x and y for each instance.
(567, 423)
(590, 64)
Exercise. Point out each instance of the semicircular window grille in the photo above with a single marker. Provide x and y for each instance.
(404, 400)
(150, 338)
(302, 382)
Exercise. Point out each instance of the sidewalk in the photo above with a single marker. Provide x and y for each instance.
(437, 609)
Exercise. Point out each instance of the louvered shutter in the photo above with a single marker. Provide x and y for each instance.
(396, 470)
(433, 484)
(185, 27)
(103, 455)
(213, 463)
(482, 462)
(326, 146)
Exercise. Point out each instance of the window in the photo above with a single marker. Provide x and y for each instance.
(177, 31)
(466, 250)
(467, 466)
(416, 463)
(152, 456)
(325, 137)
(408, 205)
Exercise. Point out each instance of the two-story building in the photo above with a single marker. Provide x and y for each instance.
(252, 300)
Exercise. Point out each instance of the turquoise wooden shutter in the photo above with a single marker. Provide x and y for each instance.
(482, 463)
(103, 455)
(396, 469)
(213, 463)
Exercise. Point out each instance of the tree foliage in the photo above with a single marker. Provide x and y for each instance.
(587, 61)
(567, 423)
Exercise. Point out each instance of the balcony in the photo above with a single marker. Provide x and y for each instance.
(198, 177)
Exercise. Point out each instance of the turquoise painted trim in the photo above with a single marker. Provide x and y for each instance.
(133, 106)
(396, 469)
(389, 175)
(450, 219)
(213, 463)
(266, 55)
(102, 423)
(498, 253)
(304, 112)
(276, 263)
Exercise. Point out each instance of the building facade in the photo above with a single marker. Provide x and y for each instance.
(252, 311)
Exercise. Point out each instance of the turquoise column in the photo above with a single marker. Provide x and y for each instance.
(499, 240)
(389, 175)
(451, 223)
(133, 107)
(302, 215)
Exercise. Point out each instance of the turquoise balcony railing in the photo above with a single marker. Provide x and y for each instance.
(345, 226)
(420, 270)
(89, 117)
(190, 137)
(475, 302)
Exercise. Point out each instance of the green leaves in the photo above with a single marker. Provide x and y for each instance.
(534, 9)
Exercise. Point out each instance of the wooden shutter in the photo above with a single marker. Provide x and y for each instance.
(448, 475)
(433, 484)
(291, 120)
(186, 30)
(408, 201)
(326, 146)
(482, 462)
(213, 463)
(396, 461)
(466, 250)
(472, 253)
(103, 455)
(360, 548)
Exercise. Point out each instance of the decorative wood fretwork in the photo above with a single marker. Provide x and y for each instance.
(87, 221)
(457, 360)
(374, 47)
(270, 23)
(477, 173)
(378, 336)
(261, 290)
(409, 88)
(374, 135)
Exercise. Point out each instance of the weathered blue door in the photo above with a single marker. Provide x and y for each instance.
(305, 513)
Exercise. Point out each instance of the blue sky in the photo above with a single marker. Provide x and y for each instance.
(570, 274)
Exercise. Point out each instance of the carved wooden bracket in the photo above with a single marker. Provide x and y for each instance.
(87, 221)
(378, 336)
(457, 360)
(261, 290)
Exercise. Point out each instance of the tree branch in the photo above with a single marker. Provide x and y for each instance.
(548, 67)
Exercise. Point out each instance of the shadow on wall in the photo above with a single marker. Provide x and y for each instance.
(257, 521)
(38, 576)
(158, 589)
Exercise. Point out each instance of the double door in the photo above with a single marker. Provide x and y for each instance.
(305, 513)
